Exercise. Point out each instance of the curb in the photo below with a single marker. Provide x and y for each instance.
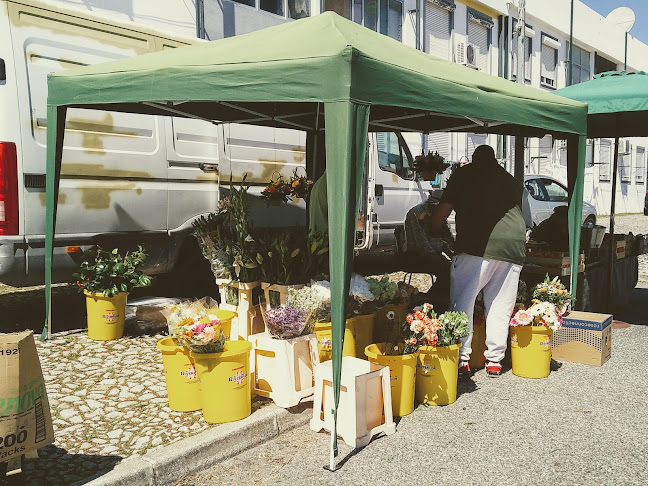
(169, 464)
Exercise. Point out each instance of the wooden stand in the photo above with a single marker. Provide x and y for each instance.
(276, 295)
(249, 319)
(284, 368)
(365, 407)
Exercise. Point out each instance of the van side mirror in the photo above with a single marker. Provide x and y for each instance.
(3, 71)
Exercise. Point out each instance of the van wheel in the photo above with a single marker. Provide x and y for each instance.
(191, 275)
(590, 222)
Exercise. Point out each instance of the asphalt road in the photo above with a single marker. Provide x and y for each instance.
(582, 425)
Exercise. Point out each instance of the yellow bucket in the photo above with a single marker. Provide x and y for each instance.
(225, 317)
(325, 343)
(105, 315)
(383, 331)
(225, 382)
(436, 374)
(359, 333)
(183, 385)
(531, 351)
(402, 373)
(478, 343)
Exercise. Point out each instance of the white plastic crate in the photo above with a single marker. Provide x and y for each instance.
(284, 368)
(365, 407)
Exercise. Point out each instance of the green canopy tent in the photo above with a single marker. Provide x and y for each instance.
(320, 73)
(617, 106)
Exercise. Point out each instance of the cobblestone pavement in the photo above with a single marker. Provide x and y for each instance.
(108, 401)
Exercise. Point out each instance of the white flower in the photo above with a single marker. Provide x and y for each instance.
(359, 289)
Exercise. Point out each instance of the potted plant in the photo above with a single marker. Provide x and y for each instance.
(391, 301)
(106, 278)
(300, 185)
(401, 359)
(532, 329)
(428, 166)
(226, 240)
(438, 339)
(222, 366)
(277, 192)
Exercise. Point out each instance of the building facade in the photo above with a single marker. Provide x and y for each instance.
(479, 34)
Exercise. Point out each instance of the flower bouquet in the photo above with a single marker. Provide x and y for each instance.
(300, 185)
(532, 329)
(428, 166)
(196, 326)
(277, 191)
(437, 340)
(287, 322)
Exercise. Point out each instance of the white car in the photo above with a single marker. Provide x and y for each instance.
(543, 194)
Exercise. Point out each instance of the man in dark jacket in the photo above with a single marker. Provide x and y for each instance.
(489, 250)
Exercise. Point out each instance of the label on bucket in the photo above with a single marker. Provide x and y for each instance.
(111, 315)
(238, 377)
(425, 368)
(546, 344)
(189, 373)
(325, 343)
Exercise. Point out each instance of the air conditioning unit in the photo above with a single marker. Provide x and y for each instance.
(472, 54)
(460, 53)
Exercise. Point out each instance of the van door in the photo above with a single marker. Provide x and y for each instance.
(396, 188)
(113, 174)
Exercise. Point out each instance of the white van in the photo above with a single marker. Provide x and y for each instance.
(127, 178)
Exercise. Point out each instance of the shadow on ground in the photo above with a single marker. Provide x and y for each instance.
(636, 311)
(56, 467)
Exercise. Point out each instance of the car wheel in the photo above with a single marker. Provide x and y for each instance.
(590, 222)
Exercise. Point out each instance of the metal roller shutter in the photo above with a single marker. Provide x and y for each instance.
(478, 34)
(474, 140)
(548, 59)
(545, 165)
(440, 142)
(437, 24)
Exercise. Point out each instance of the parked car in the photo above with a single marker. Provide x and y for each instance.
(544, 194)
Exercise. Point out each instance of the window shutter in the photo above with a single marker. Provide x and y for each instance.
(478, 34)
(474, 140)
(545, 165)
(641, 164)
(440, 142)
(604, 161)
(548, 60)
(437, 24)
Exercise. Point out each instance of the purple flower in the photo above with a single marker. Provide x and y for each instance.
(285, 322)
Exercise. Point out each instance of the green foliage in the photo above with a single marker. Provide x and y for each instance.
(108, 273)
(454, 327)
(226, 240)
(552, 291)
(384, 290)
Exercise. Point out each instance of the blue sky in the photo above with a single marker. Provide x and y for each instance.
(640, 8)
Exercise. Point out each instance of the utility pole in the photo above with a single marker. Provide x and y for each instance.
(571, 44)
(518, 172)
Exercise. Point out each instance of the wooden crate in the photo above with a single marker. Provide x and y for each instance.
(276, 294)
(246, 305)
(551, 262)
(284, 369)
(365, 407)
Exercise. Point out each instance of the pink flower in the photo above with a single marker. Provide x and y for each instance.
(523, 318)
(199, 327)
(208, 335)
(409, 318)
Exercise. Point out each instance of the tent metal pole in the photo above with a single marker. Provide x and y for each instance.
(612, 251)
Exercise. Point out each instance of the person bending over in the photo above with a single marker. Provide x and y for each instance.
(489, 249)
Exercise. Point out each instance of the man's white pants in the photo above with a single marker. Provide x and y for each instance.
(499, 281)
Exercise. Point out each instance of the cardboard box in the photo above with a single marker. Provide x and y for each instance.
(585, 338)
(25, 419)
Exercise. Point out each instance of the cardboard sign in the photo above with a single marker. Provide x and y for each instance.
(25, 419)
